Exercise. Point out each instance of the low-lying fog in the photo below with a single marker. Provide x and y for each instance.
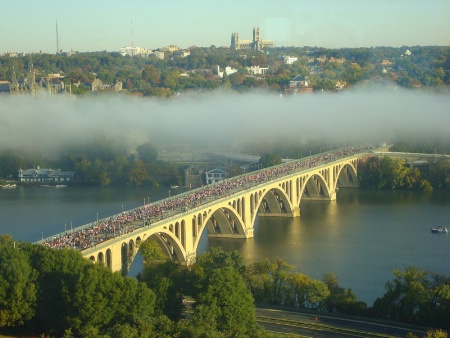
(45, 123)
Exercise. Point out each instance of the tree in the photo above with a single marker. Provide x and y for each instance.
(341, 300)
(151, 252)
(17, 284)
(269, 160)
(225, 305)
(406, 298)
(207, 262)
(440, 175)
(152, 75)
(138, 174)
(268, 280)
(299, 284)
(147, 152)
(168, 280)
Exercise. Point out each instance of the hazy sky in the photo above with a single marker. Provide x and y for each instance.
(30, 25)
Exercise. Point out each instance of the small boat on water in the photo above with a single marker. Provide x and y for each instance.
(8, 186)
(174, 186)
(440, 229)
(61, 186)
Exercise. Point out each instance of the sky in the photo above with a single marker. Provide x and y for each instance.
(30, 25)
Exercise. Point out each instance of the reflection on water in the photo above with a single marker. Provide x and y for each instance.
(361, 236)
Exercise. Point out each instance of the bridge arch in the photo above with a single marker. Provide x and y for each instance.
(273, 202)
(315, 188)
(220, 222)
(346, 175)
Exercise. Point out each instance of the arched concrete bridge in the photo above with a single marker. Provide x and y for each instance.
(233, 214)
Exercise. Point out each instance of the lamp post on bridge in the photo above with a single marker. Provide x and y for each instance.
(42, 235)
(97, 218)
(71, 228)
(169, 193)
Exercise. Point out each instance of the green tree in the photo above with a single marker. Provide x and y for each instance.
(147, 152)
(138, 174)
(18, 292)
(341, 300)
(168, 280)
(152, 75)
(269, 160)
(299, 284)
(225, 305)
(268, 280)
(440, 174)
(407, 297)
(151, 252)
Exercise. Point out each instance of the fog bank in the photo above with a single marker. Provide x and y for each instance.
(46, 123)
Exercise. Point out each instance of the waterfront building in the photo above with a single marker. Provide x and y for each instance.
(44, 175)
(215, 175)
(299, 84)
(255, 44)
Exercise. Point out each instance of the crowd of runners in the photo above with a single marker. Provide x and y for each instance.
(128, 221)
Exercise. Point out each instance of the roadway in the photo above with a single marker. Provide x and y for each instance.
(311, 325)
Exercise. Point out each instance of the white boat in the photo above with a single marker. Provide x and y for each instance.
(61, 186)
(8, 186)
(440, 229)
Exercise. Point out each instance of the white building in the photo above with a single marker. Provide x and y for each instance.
(257, 70)
(215, 175)
(289, 60)
(228, 71)
(135, 51)
(45, 175)
(159, 55)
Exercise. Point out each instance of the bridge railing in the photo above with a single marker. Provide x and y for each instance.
(211, 199)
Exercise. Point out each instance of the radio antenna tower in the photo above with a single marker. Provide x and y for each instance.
(58, 41)
(132, 42)
(57, 38)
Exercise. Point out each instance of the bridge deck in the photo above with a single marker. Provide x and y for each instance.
(89, 235)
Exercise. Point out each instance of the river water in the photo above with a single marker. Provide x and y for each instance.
(361, 237)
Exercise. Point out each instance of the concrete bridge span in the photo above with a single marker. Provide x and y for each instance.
(232, 213)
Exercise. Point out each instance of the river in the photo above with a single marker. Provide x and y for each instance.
(361, 237)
